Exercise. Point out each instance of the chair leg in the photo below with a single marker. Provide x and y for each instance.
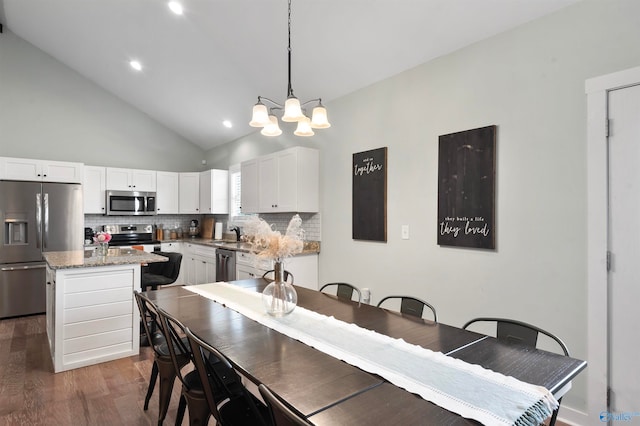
(152, 385)
(167, 377)
(199, 412)
(555, 414)
(182, 405)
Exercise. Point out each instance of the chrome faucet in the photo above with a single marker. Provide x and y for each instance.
(236, 229)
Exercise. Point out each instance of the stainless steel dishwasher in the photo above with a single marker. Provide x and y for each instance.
(225, 265)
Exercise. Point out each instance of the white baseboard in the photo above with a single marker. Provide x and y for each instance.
(572, 416)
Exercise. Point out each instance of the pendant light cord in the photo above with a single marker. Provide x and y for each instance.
(289, 89)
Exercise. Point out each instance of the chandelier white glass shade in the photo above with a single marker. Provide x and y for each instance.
(294, 111)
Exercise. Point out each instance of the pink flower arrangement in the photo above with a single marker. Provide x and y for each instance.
(102, 237)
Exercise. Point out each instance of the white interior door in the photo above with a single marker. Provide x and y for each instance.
(624, 245)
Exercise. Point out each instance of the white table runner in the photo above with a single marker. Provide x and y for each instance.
(466, 389)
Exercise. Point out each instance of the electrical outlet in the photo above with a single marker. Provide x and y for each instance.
(366, 295)
(405, 232)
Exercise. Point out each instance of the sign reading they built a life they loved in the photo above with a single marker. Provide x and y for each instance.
(466, 188)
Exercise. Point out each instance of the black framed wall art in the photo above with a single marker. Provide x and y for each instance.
(369, 207)
(466, 188)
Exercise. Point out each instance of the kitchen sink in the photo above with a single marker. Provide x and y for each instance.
(234, 245)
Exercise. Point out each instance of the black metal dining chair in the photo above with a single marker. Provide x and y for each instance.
(238, 407)
(287, 275)
(281, 414)
(192, 395)
(522, 333)
(163, 365)
(344, 291)
(412, 306)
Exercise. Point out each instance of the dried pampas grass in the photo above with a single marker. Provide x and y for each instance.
(270, 244)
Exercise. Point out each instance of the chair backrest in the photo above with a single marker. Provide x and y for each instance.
(344, 290)
(518, 332)
(221, 378)
(281, 414)
(514, 331)
(412, 306)
(150, 321)
(169, 269)
(177, 345)
(287, 275)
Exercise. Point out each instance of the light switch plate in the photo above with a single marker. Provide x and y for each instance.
(405, 232)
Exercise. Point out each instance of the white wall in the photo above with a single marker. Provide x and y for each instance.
(49, 111)
(530, 83)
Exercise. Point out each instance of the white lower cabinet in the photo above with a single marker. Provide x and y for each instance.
(92, 315)
(247, 267)
(200, 264)
(303, 267)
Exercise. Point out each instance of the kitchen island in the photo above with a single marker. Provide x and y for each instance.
(91, 312)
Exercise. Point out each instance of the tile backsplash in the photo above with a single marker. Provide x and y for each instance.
(310, 221)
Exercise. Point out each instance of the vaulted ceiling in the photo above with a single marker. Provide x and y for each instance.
(210, 63)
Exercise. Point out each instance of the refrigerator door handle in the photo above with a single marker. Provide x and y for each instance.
(38, 220)
(21, 268)
(45, 242)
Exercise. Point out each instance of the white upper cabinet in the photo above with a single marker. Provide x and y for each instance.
(168, 193)
(285, 181)
(131, 180)
(94, 186)
(40, 170)
(249, 186)
(214, 192)
(189, 192)
(268, 183)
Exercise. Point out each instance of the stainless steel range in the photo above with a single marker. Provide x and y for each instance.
(133, 235)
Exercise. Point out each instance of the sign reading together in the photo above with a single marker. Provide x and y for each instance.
(369, 214)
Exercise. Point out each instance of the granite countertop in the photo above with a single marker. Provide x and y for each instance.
(310, 247)
(89, 258)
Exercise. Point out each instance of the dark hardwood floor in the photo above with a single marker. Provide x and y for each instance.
(110, 393)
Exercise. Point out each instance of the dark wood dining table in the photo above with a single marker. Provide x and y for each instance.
(331, 392)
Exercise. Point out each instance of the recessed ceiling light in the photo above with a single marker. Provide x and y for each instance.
(175, 7)
(227, 123)
(136, 65)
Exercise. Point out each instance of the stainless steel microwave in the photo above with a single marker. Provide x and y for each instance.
(131, 203)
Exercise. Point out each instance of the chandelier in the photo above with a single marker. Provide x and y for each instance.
(293, 110)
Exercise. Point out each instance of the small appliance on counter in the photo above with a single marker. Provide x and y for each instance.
(88, 236)
(194, 229)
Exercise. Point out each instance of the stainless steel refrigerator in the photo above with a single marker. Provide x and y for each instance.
(36, 217)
